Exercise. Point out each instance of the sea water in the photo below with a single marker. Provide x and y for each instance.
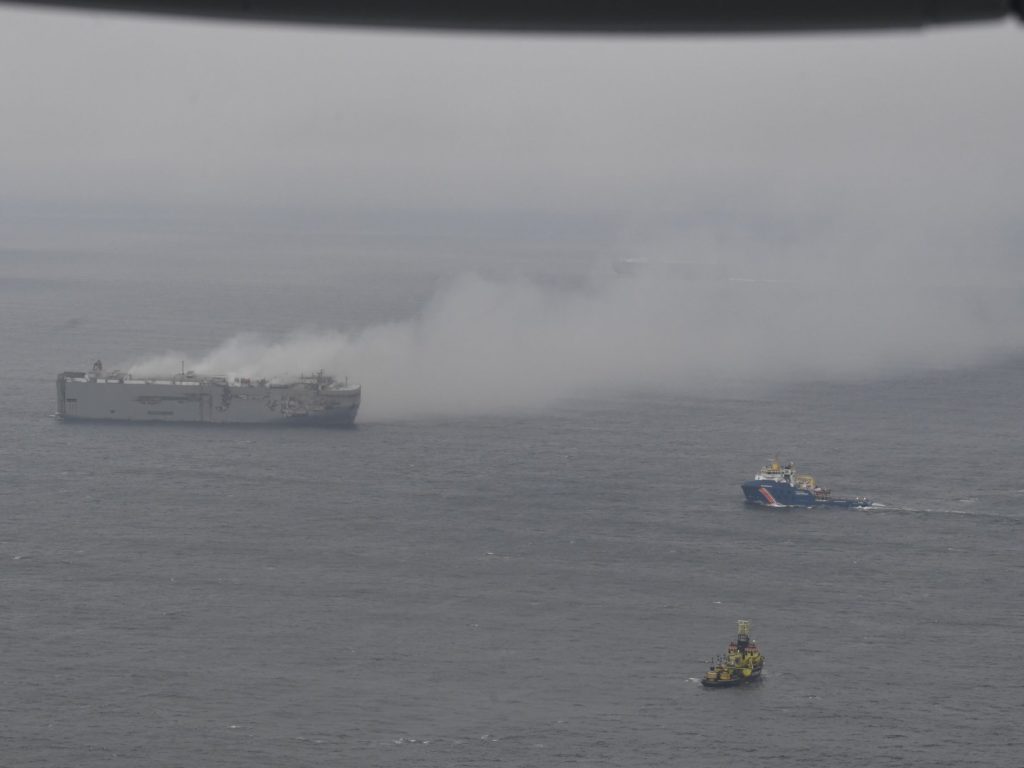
(530, 589)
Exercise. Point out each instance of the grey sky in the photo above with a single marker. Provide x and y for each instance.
(117, 108)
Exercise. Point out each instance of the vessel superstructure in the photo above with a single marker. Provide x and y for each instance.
(776, 485)
(314, 400)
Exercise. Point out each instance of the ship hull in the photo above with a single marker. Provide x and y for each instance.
(734, 681)
(202, 401)
(770, 493)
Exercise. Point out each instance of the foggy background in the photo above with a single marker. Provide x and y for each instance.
(789, 208)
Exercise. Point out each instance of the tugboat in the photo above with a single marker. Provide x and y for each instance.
(742, 662)
(780, 486)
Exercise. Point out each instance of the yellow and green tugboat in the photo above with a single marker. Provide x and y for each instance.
(742, 662)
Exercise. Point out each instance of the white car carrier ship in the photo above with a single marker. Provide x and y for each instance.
(316, 400)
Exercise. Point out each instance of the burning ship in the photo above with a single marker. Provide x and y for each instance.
(317, 400)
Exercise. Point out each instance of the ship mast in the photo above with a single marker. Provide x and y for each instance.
(742, 634)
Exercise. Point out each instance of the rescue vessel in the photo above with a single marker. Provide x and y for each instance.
(316, 400)
(780, 486)
(742, 662)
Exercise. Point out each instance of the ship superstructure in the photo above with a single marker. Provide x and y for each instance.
(776, 485)
(315, 400)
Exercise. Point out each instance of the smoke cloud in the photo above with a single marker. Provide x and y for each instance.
(488, 345)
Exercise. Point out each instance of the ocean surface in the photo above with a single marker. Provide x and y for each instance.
(514, 590)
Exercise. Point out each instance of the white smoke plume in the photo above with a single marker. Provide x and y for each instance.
(487, 346)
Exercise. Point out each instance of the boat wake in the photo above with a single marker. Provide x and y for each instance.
(946, 512)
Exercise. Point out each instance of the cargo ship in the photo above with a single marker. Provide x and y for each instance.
(316, 400)
(742, 663)
(780, 486)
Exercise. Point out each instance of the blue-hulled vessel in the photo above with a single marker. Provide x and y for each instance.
(780, 486)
